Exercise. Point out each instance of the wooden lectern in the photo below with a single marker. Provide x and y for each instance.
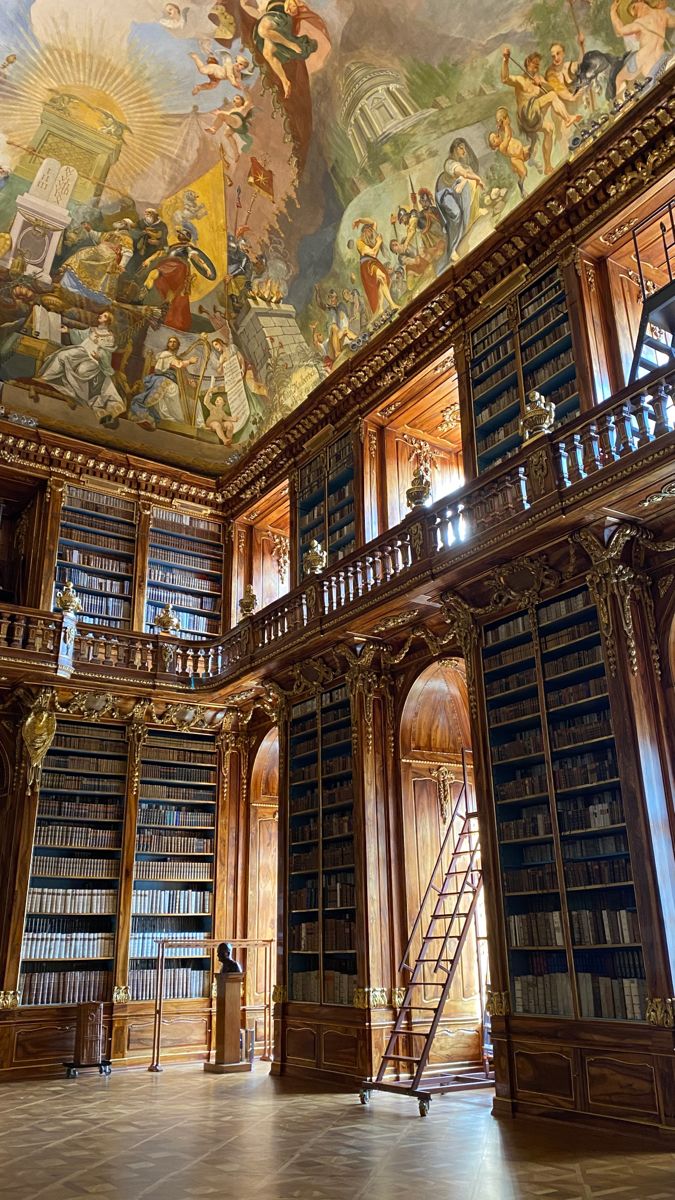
(228, 1024)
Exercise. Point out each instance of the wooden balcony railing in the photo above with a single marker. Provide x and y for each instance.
(549, 469)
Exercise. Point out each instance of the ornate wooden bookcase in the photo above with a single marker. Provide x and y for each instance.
(124, 834)
(574, 834)
(326, 501)
(337, 940)
(532, 340)
(129, 559)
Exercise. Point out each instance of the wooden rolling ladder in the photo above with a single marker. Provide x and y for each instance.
(655, 342)
(453, 894)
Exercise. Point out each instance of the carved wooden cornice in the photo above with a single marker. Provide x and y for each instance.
(59, 460)
(634, 151)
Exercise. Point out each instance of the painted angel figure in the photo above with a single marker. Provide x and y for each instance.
(227, 70)
(279, 35)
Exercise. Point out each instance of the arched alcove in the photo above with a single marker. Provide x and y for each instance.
(435, 732)
(262, 870)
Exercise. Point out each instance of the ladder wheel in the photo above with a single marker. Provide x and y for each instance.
(424, 1107)
(364, 1096)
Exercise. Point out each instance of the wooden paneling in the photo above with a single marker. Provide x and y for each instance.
(621, 1084)
(545, 1075)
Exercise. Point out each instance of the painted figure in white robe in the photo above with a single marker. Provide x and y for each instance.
(84, 370)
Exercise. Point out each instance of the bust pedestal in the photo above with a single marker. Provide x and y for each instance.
(228, 1023)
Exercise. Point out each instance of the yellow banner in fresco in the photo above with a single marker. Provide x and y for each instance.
(201, 208)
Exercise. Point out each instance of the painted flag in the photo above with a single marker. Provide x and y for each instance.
(210, 225)
(261, 179)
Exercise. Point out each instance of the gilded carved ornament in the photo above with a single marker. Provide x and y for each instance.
(121, 994)
(398, 621)
(397, 997)
(661, 1012)
(9, 999)
(38, 732)
(610, 579)
(136, 735)
(373, 997)
(667, 492)
(463, 631)
(90, 706)
(444, 778)
(498, 1004)
(183, 717)
(279, 993)
(67, 600)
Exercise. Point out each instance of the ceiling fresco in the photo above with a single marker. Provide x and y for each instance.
(207, 206)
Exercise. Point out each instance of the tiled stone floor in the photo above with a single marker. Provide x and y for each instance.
(184, 1135)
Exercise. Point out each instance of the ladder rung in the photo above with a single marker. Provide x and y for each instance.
(403, 1057)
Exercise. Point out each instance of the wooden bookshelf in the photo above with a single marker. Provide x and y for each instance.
(327, 501)
(524, 346)
(571, 920)
(97, 550)
(174, 863)
(185, 569)
(68, 945)
(321, 905)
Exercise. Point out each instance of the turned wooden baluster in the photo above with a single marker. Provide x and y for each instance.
(642, 411)
(591, 449)
(18, 630)
(608, 438)
(200, 663)
(661, 401)
(4, 626)
(625, 429)
(576, 458)
(455, 527)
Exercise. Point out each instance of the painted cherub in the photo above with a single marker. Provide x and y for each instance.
(228, 70)
(503, 141)
(219, 418)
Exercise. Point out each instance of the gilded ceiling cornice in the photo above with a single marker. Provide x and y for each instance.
(632, 152)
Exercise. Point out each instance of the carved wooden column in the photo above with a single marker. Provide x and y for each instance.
(462, 350)
(279, 987)
(229, 908)
(136, 734)
(36, 735)
(141, 566)
(378, 918)
(54, 499)
(580, 279)
(622, 594)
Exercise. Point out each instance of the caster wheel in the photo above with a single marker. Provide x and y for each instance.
(364, 1096)
(424, 1107)
(70, 1074)
(107, 1070)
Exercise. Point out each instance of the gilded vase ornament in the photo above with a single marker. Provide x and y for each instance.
(38, 732)
(248, 602)
(538, 416)
(314, 560)
(68, 600)
(419, 491)
(167, 620)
